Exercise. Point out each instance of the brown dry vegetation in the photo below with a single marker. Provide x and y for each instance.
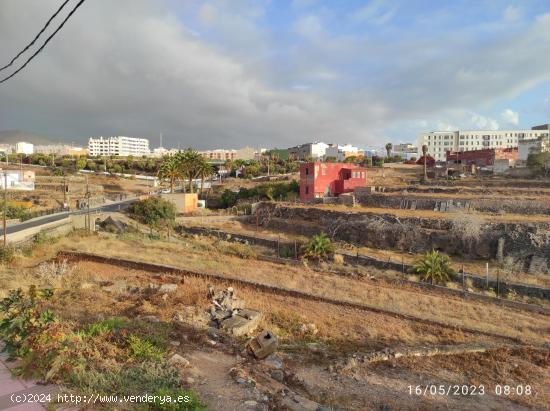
(470, 266)
(341, 330)
(201, 255)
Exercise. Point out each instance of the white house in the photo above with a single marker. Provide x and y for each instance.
(24, 148)
(310, 151)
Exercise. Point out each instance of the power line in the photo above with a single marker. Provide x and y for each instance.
(37, 36)
(45, 43)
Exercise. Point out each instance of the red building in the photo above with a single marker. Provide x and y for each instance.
(330, 179)
(430, 161)
(481, 158)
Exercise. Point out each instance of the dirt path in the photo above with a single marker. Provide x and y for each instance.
(216, 387)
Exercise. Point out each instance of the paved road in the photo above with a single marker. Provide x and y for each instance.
(36, 222)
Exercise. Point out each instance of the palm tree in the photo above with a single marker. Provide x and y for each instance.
(189, 162)
(433, 267)
(425, 154)
(204, 171)
(389, 147)
(169, 169)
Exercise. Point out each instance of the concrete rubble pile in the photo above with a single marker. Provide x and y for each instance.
(228, 313)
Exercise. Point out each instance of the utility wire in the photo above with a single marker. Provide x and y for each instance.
(37, 36)
(45, 43)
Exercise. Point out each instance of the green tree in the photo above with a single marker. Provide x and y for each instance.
(433, 267)
(190, 162)
(389, 147)
(204, 171)
(229, 198)
(319, 247)
(170, 170)
(539, 163)
(91, 165)
(80, 163)
(155, 212)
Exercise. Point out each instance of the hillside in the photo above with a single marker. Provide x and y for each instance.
(14, 136)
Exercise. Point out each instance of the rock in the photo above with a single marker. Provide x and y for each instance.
(212, 332)
(175, 343)
(274, 361)
(263, 344)
(250, 403)
(177, 359)
(168, 288)
(299, 403)
(278, 375)
(238, 325)
(150, 319)
(190, 380)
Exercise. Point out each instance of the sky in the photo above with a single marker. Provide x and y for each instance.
(275, 73)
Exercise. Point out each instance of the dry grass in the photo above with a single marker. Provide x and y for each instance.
(470, 266)
(340, 327)
(199, 254)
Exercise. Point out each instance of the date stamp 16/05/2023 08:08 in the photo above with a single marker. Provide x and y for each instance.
(469, 390)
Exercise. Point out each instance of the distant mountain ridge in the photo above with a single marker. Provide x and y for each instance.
(15, 136)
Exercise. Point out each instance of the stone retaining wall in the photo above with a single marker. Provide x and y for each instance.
(524, 243)
(502, 287)
(487, 205)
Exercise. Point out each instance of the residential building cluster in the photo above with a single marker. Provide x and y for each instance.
(322, 151)
(440, 142)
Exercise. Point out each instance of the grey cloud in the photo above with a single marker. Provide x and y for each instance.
(131, 67)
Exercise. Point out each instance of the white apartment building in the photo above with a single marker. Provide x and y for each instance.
(439, 142)
(340, 152)
(24, 148)
(118, 146)
(312, 151)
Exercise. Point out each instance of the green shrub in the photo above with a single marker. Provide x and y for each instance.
(286, 252)
(229, 198)
(433, 267)
(47, 349)
(319, 247)
(22, 315)
(105, 326)
(7, 254)
(143, 349)
(154, 211)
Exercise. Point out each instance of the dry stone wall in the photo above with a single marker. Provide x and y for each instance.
(521, 242)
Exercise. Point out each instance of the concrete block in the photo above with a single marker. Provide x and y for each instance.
(238, 325)
(263, 345)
